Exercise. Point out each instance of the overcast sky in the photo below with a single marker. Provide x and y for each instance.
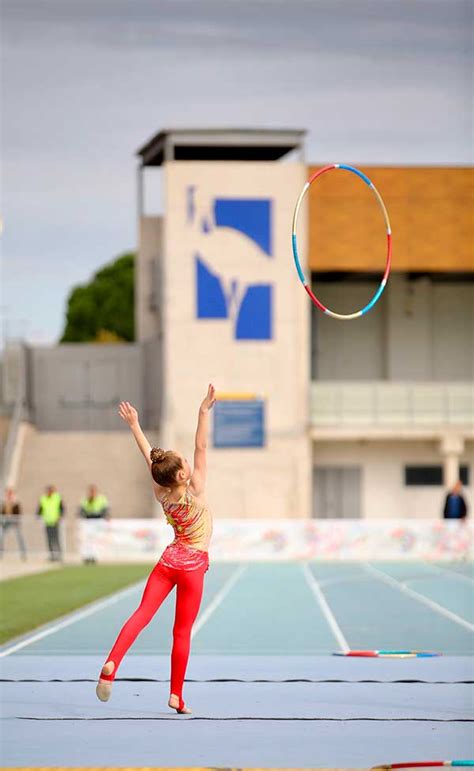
(86, 82)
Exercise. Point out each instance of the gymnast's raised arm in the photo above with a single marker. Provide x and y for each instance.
(198, 478)
(129, 414)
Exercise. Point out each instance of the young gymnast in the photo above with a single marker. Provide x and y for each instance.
(183, 563)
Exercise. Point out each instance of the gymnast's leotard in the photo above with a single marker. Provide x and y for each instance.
(191, 521)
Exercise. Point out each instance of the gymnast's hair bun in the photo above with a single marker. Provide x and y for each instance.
(157, 455)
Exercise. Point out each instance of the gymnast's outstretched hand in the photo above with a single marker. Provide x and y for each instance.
(128, 413)
(209, 400)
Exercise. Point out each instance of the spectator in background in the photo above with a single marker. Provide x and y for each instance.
(11, 518)
(93, 507)
(455, 506)
(51, 510)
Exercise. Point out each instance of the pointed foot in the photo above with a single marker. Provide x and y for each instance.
(104, 687)
(178, 704)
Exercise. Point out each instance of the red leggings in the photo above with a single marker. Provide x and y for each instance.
(161, 581)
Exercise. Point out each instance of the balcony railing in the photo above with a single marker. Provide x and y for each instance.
(336, 403)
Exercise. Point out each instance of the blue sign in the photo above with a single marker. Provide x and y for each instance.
(239, 423)
(248, 304)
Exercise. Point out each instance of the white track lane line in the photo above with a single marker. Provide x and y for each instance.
(417, 596)
(214, 604)
(71, 619)
(101, 604)
(327, 612)
(451, 573)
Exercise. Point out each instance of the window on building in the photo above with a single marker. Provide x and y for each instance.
(337, 492)
(431, 476)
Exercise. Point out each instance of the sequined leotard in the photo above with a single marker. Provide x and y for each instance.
(191, 521)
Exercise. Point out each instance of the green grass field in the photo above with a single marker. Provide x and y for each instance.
(30, 601)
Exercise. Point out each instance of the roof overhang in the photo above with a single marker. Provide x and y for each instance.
(220, 145)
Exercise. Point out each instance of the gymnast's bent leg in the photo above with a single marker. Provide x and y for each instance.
(160, 583)
(190, 585)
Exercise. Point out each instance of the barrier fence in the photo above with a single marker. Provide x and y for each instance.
(280, 540)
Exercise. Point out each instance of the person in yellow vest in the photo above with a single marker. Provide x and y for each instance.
(51, 510)
(93, 507)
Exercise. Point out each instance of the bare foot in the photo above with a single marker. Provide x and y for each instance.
(174, 704)
(104, 687)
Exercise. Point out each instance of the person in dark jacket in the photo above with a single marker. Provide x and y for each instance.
(11, 519)
(455, 506)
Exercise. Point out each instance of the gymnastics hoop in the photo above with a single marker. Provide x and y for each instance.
(318, 303)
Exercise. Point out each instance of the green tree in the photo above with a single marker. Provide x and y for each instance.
(103, 309)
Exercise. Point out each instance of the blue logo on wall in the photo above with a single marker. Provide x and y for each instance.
(249, 304)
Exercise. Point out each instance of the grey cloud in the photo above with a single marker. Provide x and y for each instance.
(365, 26)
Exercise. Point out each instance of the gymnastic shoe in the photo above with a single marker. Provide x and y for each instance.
(104, 687)
(176, 702)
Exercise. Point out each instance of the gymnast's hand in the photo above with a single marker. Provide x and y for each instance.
(128, 413)
(209, 400)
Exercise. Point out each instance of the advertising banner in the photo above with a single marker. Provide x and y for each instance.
(264, 539)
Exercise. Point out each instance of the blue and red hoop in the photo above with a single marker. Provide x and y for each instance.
(318, 303)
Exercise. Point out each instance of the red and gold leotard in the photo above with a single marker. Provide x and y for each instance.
(191, 521)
